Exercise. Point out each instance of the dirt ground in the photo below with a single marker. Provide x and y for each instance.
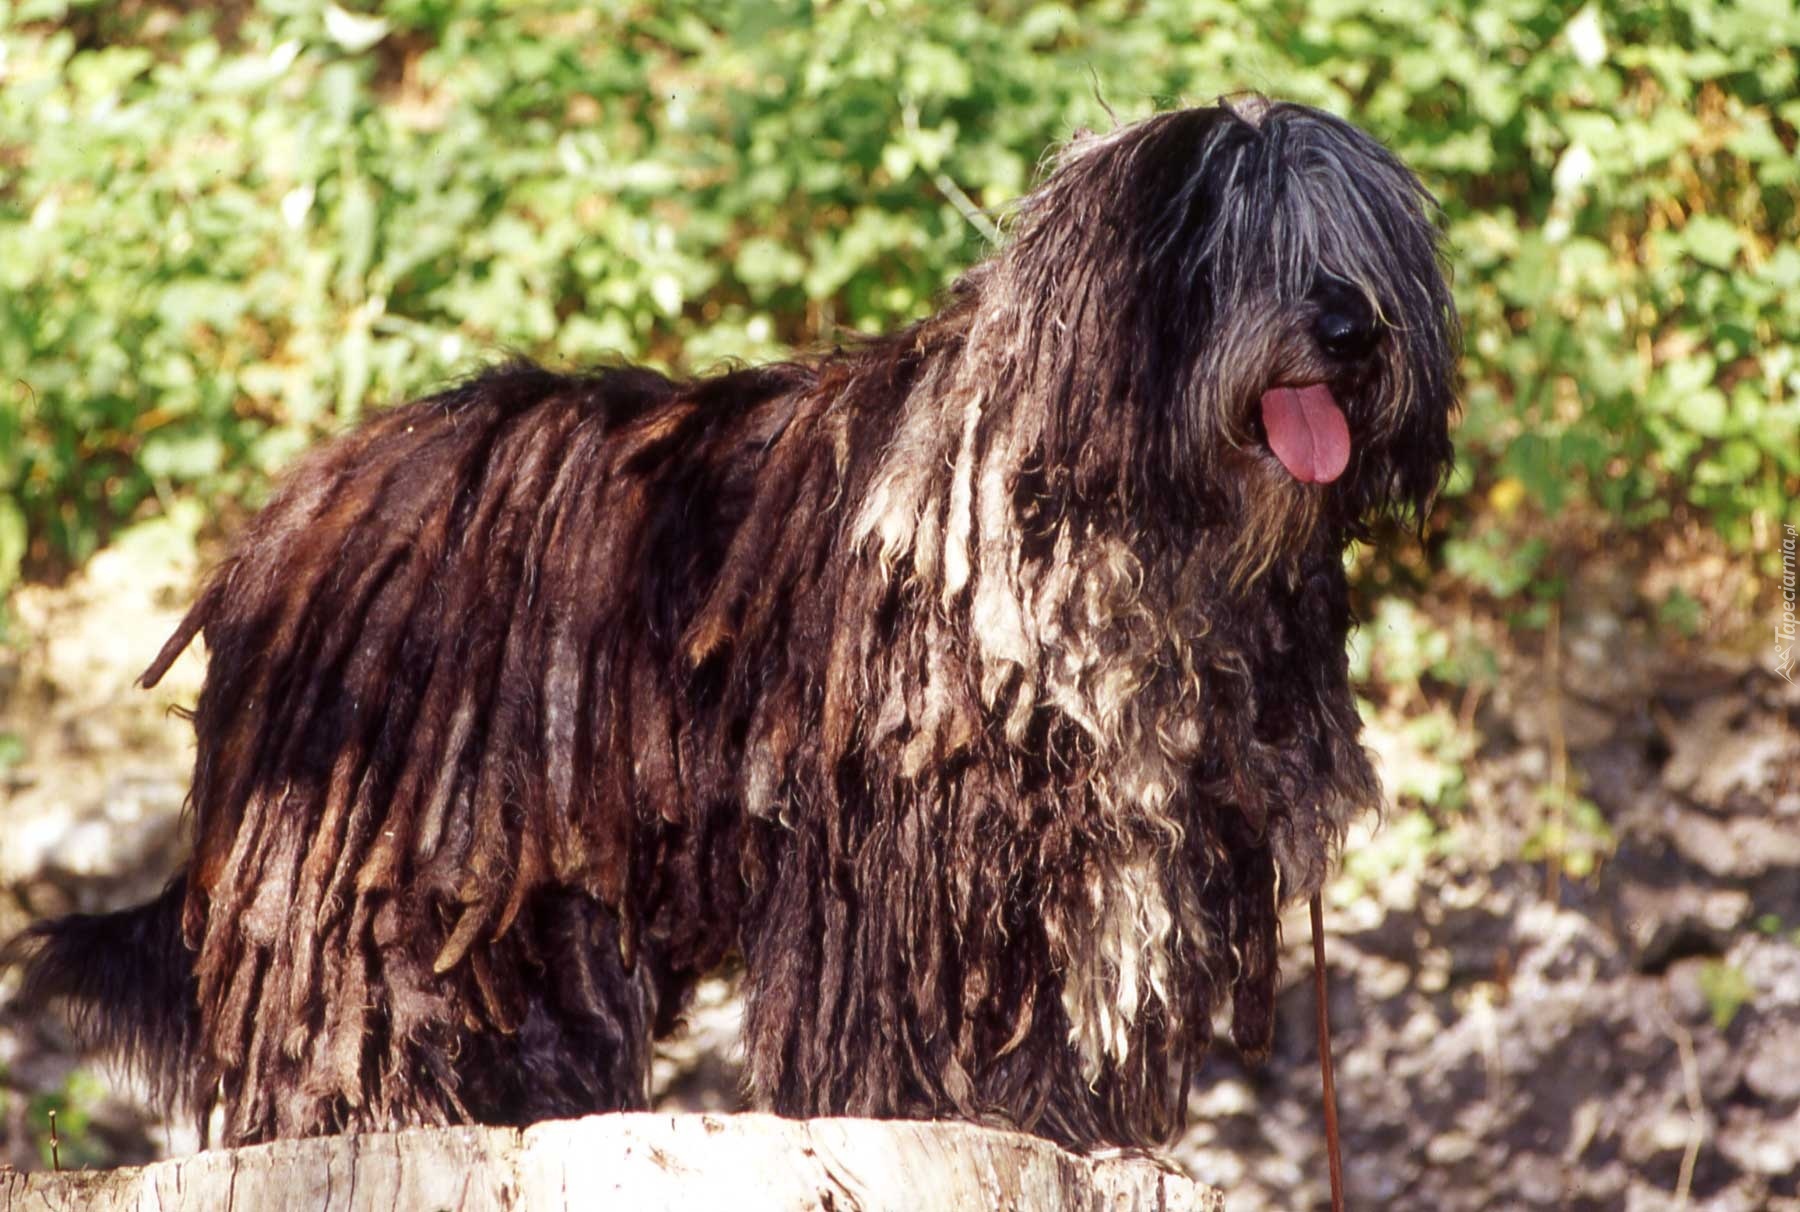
(1617, 1031)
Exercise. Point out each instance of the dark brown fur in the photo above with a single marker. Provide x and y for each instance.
(976, 685)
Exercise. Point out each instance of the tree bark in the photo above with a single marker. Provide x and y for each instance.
(641, 1163)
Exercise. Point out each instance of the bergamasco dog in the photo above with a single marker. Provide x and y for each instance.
(979, 689)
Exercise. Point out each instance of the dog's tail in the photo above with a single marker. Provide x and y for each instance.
(125, 982)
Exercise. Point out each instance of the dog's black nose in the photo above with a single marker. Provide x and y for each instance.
(1345, 326)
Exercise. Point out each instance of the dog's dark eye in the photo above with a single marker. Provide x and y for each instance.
(1345, 326)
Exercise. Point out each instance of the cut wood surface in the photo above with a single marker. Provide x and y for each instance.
(640, 1162)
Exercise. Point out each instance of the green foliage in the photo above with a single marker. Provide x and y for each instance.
(74, 1104)
(1496, 562)
(1400, 644)
(1680, 612)
(1727, 990)
(224, 230)
(1571, 835)
(1435, 776)
(1403, 843)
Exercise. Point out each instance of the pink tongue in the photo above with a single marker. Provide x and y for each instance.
(1307, 432)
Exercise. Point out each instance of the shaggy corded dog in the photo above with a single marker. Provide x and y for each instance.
(981, 686)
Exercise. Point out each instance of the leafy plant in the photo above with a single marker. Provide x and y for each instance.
(225, 230)
(1727, 990)
(74, 1105)
(1401, 845)
(1572, 834)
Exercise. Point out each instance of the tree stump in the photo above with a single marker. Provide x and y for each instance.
(640, 1163)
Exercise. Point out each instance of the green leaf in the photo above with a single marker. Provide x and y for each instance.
(356, 219)
(185, 456)
(1726, 989)
(1703, 410)
(1682, 612)
(194, 301)
(1495, 562)
(763, 264)
(1713, 240)
(253, 72)
(353, 31)
(12, 540)
(1533, 459)
(1736, 461)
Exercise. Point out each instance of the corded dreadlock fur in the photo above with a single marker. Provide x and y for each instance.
(981, 686)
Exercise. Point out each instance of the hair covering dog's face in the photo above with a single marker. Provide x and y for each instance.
(1224, 306)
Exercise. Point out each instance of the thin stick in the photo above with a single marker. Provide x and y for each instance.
(1690, 1077)
(1332, 1153)
(55, 1145)
(1556, 853)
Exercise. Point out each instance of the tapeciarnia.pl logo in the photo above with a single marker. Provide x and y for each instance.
(1785, 626)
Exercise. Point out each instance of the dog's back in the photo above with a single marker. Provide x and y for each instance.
(470, 603)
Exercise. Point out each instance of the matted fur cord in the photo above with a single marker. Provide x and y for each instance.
(1332, 1152)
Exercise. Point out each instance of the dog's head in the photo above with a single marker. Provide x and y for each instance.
(1238, 315)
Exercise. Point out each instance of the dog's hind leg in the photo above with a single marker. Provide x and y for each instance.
(583, 1043)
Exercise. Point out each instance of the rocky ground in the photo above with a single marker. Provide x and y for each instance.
(1620, 1030)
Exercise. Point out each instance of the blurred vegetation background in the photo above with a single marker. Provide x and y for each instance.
(227, 229)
